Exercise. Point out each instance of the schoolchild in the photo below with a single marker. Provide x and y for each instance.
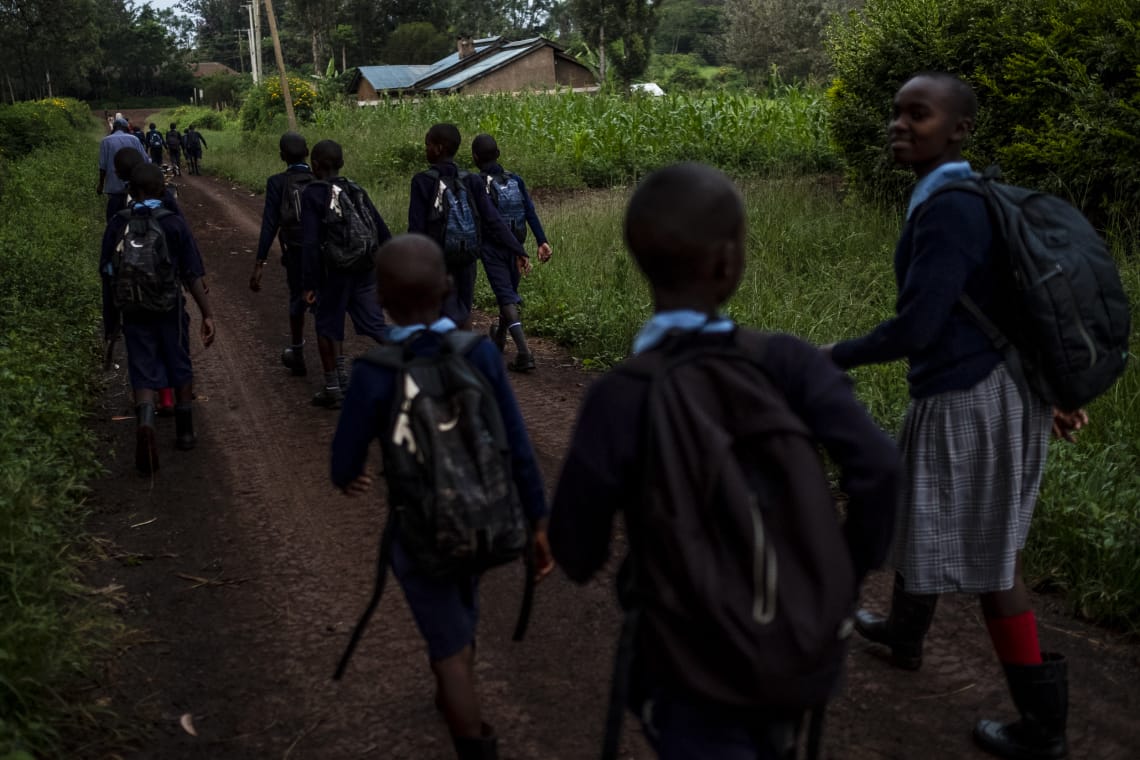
(109, 184)
(509, 194)
(973, 445)
(156, 328)
(193, 142)
(427, 215)
(685, 228)
(413, 283)
(174, 148)
(155, 144)
(281, 218)
(125, 162)
(327, 214)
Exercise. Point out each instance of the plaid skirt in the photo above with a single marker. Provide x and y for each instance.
(973, 465)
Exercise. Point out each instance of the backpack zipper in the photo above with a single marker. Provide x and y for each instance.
(763, 570)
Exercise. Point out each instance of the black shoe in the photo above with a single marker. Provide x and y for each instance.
(1041, 695)
(184, 427)
(499, 338)
(485, 747)
(329, 398)
(522, 363)
(905, 629)
(146, 441)
(295, 361)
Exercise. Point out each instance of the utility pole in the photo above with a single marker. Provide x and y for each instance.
(241, 56)
(292, 117)
(252, 47)
(255, 8)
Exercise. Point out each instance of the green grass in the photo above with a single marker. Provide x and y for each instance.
(50, 627)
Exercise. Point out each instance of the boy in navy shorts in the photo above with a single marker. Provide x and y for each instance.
(413, 283)
(158, 341)
(686, 230)
(509, 195)
(442, 143)
(282, 218)
(336, 292)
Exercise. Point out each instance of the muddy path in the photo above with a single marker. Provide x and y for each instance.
(242, 572)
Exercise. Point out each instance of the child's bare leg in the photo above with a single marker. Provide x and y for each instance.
(297, 328)
(184, 394)
(455, 679)
(328, 350)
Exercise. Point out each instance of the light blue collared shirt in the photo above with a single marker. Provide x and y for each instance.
(943, 175)
(685, 320)
(400, 333)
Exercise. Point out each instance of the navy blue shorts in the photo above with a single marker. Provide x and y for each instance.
(158, 351)
(684, 729)
(457, 306)
(446, 611)
(503, 275)
(291, 260)
(355, 295)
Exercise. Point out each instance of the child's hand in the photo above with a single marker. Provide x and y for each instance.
(543, 557)
(255, 278)
(1067, 423)
(310, 297)
(524, 264)
(358, 487)
(544, 252)
(208, 332)
(826, 350)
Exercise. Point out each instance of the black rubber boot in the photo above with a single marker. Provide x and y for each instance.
(485, 747)
(1041, 695)
(904, 630)
(184, 427)
(146, 441)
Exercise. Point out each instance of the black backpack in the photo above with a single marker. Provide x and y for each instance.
(289, 219)
(154, 139)
(174, 139)
(739, 587)
(454, 220)
(447, 464)
(144, 278)
(351, 238)
(506, 194)
(1066, 334)
(193, 141)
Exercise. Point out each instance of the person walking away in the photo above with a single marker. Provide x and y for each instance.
(194, 143)
(109, 184)
(174, 148)
(155, 144)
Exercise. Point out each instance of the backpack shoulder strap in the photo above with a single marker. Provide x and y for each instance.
(389, 355)
(752, 343)
(461, 342)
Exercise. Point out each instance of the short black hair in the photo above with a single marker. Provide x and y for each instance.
(445, 136)
(174, 126)
(484, 149)
(961, 94)
(126, 159)
(328, 153)
(147, 181)
(293, 147)
(678, 216)
(153, 125)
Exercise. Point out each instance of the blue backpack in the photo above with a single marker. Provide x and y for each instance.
(506, 194)
(454, 222)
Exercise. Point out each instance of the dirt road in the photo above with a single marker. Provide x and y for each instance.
(243, 572)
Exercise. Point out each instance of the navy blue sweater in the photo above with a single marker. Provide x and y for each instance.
(946, 249)
(604, 467)
(424, 190)
(366, 415)
(271, 216)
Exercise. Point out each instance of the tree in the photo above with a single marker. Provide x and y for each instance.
(787, 34)
(417, 42)
(690, 26)
(621, 31)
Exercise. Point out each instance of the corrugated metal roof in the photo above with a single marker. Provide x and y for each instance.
(450, 60)
(393, 77)
(500, 57)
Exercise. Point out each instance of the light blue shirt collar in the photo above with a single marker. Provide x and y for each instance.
(684, 320)
(943, 175)
(153, 203)
(400, 333)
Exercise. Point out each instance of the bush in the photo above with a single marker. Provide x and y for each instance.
(26, 126)
(1058, 82)
(264, 103)
(200, 117)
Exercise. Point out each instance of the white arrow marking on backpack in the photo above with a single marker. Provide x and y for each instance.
(403, 435)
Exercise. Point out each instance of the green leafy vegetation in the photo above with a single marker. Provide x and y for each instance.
(50, 628)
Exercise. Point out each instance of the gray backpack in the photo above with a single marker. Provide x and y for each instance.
(145, 280)
(351, 238)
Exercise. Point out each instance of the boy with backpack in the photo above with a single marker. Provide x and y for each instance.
(509, 195)
(453, 208)
(438, 545)
(340, 233)
(282, 218)
(194, 142)
(174, 148)
(149, 255)
(740, 579)
(155, 144)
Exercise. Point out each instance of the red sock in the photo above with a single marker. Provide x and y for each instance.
(1015, 639)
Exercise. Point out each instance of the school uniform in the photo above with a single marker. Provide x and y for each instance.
(425, 190)
(155, 148)
(604, 474)
(290, 239)
(499, 264)
(446, 611)
(174, 147)
(973, 443)
(158, 345)
(114, 188)
(338, 293)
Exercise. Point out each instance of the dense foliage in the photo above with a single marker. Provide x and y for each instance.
(1058, 81)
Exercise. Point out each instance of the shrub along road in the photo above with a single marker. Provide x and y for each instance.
(242, 572)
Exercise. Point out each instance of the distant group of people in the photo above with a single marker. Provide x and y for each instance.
(741, 582)
(153, 143)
